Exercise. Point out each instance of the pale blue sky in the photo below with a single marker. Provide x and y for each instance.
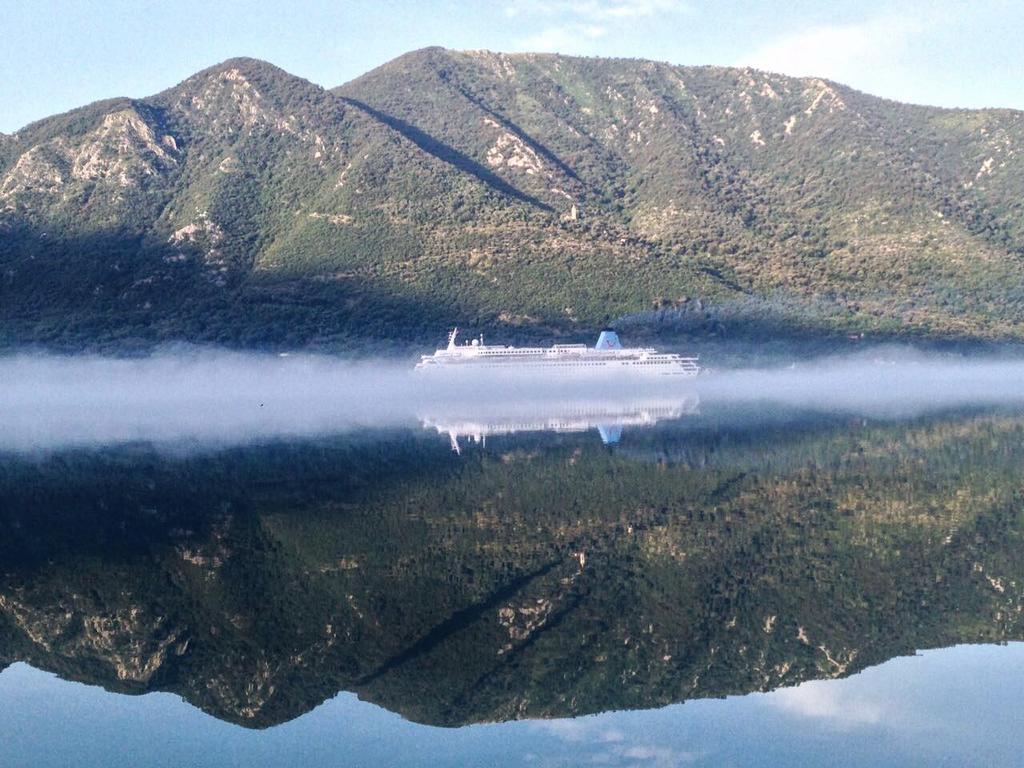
(59, 54)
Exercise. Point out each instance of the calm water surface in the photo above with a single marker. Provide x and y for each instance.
(640, 582)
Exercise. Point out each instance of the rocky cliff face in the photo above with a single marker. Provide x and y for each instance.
(525, 191)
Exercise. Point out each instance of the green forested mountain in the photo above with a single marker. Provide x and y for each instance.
(532, 577)
(538, 194)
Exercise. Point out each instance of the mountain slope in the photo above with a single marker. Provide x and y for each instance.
(536, 194)
(787, 185)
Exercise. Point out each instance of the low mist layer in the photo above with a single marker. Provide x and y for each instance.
(216, 398)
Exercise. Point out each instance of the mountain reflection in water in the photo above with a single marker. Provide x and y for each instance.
(539, 575)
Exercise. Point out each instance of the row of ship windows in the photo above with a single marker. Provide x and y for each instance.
(581, 364)
(656, 360)
(653, 360)
(532, 352)
(511, 352)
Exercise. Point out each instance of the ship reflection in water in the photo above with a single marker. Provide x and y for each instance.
(360, 599)
(476, 422)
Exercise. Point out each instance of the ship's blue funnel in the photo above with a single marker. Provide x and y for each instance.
(608, 339)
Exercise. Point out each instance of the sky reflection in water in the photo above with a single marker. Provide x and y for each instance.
(957, 706)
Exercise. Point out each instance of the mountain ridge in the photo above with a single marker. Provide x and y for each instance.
(532, 194)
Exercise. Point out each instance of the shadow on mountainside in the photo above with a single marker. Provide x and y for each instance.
(123, 292)
(448, 154)
(508, 125)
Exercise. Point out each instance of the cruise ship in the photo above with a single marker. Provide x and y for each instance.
(607, 356)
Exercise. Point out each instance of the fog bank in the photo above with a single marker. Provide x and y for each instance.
(214, 398)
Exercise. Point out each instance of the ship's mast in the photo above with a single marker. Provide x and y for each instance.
(451, 338)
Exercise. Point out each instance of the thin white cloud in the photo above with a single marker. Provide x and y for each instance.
(597, 743)
(824, 700)
(573, 26)
(656, 756)
(594, 10)
(567, 38)
(843, 52)
(572, 731)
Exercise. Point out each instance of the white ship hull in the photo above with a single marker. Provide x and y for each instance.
(613, 367)
(608, 358)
